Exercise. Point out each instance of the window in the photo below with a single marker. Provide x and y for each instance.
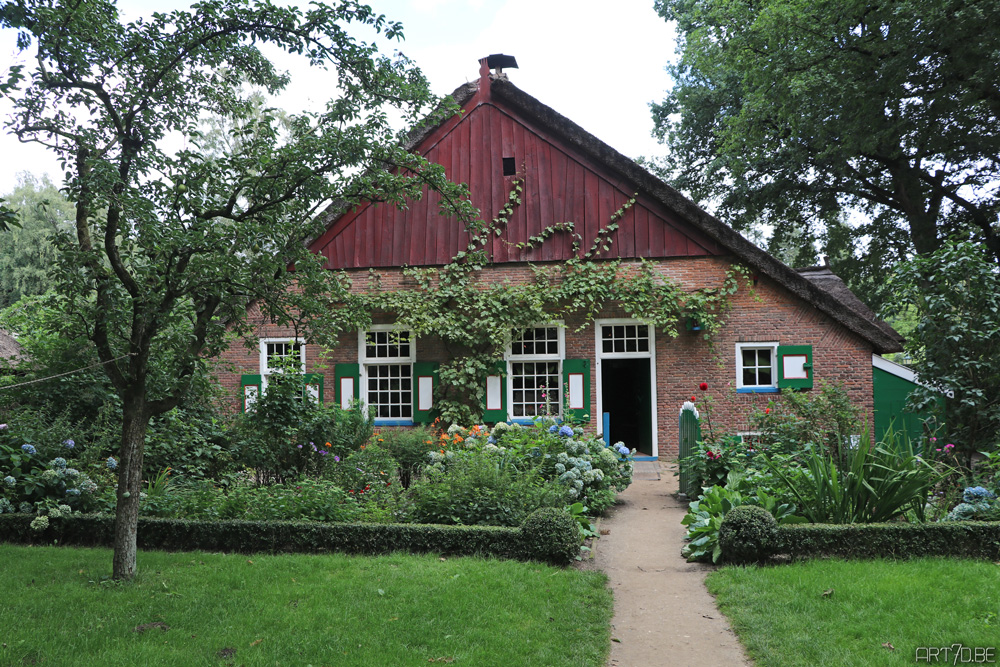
(276, 354)
(756, 369)
(624, 338)
(387, 357)
(535, 375)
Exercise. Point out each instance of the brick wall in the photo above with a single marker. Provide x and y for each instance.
(768, 314)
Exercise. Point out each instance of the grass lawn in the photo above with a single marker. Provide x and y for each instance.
(216, 609)
(783, 618)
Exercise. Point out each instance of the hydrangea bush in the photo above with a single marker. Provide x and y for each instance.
(590, 471)
(33, 484)
(978, 504)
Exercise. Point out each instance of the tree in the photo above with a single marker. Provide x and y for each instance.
(169, 248)
(791, 112)
(27, 250)
(956, 344)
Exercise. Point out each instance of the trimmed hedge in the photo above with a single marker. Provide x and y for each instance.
(962, 539)
(248, 537)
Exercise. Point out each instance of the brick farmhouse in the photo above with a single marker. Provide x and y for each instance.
(791, 331)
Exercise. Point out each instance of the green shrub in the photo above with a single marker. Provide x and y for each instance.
(747, 534)
(480, 488)
(409, 447)
(551, 535)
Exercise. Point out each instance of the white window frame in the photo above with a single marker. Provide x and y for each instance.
(364, 362)
(265, 370)
(757, 388)
(557, 357)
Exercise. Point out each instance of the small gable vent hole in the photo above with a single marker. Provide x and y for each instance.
(508, 166)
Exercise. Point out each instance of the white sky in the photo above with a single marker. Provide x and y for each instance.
(599, 64)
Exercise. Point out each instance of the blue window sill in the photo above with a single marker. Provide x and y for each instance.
(394, 422)
(757, 390)
(522, 422)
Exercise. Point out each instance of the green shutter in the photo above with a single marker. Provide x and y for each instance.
(342, 373)
(500, 413)
(253, 382)
(797, 352)
(424, 369)
(314, 380)
(577, 398)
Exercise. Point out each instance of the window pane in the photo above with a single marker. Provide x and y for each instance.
(390, 388)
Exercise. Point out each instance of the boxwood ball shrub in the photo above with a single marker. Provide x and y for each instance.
(748, 534)
(551, 535)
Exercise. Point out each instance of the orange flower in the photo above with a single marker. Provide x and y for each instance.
(328, 444)
(458, 438)
(362, 446)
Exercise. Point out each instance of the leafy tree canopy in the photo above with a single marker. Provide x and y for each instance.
(170, 247)
(791, 112)
(27, 249)
(955, 293)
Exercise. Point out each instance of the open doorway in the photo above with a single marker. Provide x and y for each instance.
(627, 394)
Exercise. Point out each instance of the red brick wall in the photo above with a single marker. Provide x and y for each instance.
(768, 314)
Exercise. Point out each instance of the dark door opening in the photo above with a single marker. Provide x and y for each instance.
(628, 399)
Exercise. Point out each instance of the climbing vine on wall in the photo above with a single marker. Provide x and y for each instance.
(473, 314)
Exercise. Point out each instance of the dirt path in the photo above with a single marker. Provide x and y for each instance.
(663, 613)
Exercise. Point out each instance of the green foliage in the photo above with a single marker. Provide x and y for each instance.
(409, 447)
(479, 488)
(955, 345)
(551, 535)
(873, 484)
(955, 539)
(286, 435)
(590, 471)
(28, 249)
(41, 477)
(825, 419)
(791, 113)
(747, 534)
(171, 246)
(706, 514)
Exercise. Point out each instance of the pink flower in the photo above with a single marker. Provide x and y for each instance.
(949, 446)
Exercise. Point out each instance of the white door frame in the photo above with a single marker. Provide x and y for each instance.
(599, 354)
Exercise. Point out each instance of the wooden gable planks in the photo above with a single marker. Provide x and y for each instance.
(559, 185)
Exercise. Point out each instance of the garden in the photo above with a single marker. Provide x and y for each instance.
(809, 480)
(290, 460)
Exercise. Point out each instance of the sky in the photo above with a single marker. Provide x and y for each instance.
(600, 64)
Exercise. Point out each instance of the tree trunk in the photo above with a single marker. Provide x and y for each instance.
(135, 421)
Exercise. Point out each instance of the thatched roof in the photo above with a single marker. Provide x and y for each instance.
(10, 349)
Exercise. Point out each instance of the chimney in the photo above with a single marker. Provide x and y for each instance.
(497, 62)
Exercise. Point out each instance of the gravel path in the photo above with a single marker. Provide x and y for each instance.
(663, 613)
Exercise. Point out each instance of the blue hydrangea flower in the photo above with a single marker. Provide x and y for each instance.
(491, 440)
(72, 492)
(975, 494)
(69, 444)
(58, 462)
(28, 449)
(9, 481)
(566, 431)
(553, 428)
(71, 472)
(112, 463)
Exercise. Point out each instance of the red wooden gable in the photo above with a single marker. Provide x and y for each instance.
(560, 184)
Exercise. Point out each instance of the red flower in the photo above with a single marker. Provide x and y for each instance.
(767, 411)
(693, 399)
(703, 386)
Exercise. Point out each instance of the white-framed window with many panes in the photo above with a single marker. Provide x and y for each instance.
(386, 357)
(278, 354)
(534, 372)
(756, 367)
